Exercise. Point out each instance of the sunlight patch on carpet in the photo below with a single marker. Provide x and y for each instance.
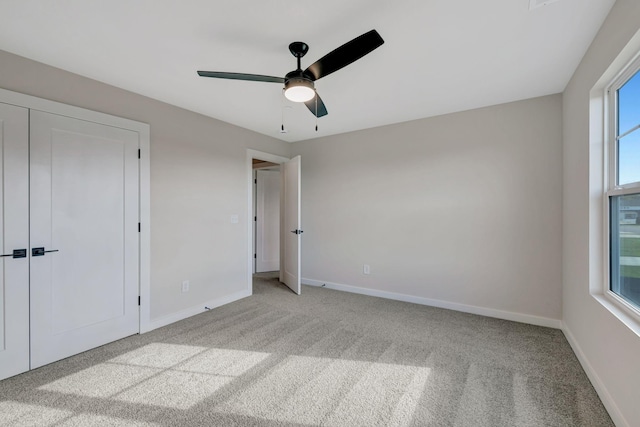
(172, 389)
(333, 392)
(103, 380)
(159, 355)
(165, 375)
(219, 361)
(189, 383)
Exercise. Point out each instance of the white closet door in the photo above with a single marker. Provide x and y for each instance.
(84, 236)
(14, 219)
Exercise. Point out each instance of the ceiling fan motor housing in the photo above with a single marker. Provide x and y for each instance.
(297, 78)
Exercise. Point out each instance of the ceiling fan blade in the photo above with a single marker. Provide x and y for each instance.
(241, 76)
(311, 105)
(345, 55)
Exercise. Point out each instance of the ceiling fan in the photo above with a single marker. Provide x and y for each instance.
(299, 84)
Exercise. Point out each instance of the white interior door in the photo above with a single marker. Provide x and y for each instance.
(268, 220)
(290, 270)
(84, 218)
(14, 219)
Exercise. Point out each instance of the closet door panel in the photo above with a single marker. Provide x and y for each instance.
(84, 236)
(14, 219)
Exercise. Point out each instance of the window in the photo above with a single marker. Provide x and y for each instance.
(623, 188)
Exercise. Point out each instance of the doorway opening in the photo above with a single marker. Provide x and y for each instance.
(266, 216)
(269, 165)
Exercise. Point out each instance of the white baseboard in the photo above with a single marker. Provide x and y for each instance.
(489, 312)
(192, 311)
(605, 397)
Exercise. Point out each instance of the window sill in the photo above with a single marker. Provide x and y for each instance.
(621, 312)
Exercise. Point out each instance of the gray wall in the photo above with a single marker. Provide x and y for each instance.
(198, 180)
(463, 208)
(609, 350)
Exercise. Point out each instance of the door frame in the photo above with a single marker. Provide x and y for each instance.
(267, 157)
(144, 181)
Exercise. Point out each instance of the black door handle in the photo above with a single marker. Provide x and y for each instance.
(297, 231)
(40, 251)
(17, 253)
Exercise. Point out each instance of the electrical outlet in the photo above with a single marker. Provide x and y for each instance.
(185, 286)
(366, 269)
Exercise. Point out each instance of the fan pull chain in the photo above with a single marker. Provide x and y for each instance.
(316, 112)
(282, 112)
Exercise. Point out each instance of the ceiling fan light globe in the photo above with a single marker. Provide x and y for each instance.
(299, 90)
(299, 93)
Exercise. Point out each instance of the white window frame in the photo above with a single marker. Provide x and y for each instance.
(610, 180)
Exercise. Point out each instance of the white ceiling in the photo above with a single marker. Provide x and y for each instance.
(439, 56)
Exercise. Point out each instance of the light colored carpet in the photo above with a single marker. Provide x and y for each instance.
(323, 358)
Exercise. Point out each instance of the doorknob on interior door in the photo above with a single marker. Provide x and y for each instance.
(40, 251)
(297, 231)
(17, 253)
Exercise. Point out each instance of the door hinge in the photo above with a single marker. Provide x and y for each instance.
(255, 181)
(255, 218)
(138, 299)
(139, 227)
(255, 256)
(138, 153)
